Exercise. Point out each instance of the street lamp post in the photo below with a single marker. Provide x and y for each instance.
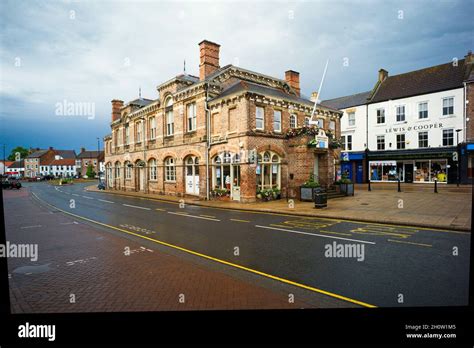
(98, 159)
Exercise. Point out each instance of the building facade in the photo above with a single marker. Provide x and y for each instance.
(87, 158)
(230, 132)
(416, 126)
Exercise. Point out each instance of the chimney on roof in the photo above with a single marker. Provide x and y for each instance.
(293, 79)
(383, 74)
(314, 97)
(116, 106)
(209, 58)
(469, 57)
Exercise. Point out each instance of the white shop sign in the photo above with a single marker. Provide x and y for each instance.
(383, 163)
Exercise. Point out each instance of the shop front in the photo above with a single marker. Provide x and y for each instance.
(413, 166)
(352, 166)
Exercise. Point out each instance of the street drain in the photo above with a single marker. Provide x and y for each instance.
(32, 269)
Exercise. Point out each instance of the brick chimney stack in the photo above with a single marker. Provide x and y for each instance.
(209, 58)
(293, 79)
(383, 74)
(116, 106)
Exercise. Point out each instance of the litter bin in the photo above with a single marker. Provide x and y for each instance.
(320, 198)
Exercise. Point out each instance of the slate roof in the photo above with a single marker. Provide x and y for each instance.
(241, 86)
(140, 102)
(90, 154)
(347, 101)
(429, 80)
(67, 154)
(17, 164)
(37, 154)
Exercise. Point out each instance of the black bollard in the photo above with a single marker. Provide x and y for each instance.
(436, 186)
(399, 188)
(370, 189)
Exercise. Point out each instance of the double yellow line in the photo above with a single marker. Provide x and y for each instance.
(283, 280)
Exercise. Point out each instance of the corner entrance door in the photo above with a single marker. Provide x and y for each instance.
(192, 176)
(408, 172)
(235, 183)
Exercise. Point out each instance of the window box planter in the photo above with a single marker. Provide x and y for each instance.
(348, 189)
(307, 193)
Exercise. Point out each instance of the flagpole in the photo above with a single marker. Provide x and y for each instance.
(319, 93)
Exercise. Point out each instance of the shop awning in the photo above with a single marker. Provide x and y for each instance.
(443, 152)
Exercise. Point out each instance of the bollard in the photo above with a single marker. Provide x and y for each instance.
(399, 188)
(436, 186)
(370, 189)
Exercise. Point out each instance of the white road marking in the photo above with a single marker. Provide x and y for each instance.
(192, 216)
(69, 223)
(87, 197)
(314, 234)
(75, 194)
(135, 206)
(33, 226)
(103, 200)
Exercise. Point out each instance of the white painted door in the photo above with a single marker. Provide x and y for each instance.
(192, 176)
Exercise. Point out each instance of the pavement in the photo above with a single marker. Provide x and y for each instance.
(416, 205)
(270, 256)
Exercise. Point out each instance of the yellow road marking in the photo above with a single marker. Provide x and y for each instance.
(209, 216)
(344, 234)
(238, 220)
(292, 215)
(283, 280)
(419, 244)
(159, 209)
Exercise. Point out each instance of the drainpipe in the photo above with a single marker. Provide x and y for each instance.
(208, 139)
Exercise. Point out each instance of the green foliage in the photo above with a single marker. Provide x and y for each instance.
(90, 171)
(23, 153)
(268, 194)
(311, 182)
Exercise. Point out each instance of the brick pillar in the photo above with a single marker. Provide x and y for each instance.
(248, 183)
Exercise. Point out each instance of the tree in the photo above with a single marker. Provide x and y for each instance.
(90, 171)
(23, 153)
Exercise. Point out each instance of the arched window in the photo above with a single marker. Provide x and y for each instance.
(169, 116)
(170, 169)
(268, 171)
(128, 170)
(293, 121)
(152, 168)
(306, 121)
(117, 170)
(226, 171)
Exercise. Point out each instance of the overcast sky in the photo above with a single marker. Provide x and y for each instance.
(95, 51)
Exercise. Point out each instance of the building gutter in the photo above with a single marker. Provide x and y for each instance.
(208, 139)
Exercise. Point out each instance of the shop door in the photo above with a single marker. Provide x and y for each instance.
(236, 183)
(359, 172)
(408, 172)
(141, 178)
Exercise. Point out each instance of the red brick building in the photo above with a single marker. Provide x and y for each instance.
(230, 131)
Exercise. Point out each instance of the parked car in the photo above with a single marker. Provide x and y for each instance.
(11, 184)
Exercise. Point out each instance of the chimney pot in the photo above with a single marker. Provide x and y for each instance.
(208, 57)
(383, 74)
(293, 79)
